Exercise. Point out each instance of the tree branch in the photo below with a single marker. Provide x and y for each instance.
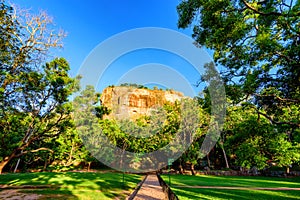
(259, 12)
(276, 122)
(34, 151)
(278, 98)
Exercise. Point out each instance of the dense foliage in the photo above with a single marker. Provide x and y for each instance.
(34, 102)
(257, 46)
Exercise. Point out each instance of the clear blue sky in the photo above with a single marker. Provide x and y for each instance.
(90, 22)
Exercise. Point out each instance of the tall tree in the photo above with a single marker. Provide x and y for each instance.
(258, 43)
(257, 46)
(33, 97)
(86, 114)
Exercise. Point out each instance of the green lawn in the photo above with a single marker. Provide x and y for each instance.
(178, 183)
(75, 185)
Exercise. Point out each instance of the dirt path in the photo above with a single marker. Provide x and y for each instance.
(235, 188)
(150, 190)
(16, 195)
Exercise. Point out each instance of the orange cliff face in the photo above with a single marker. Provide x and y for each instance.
(130, 102)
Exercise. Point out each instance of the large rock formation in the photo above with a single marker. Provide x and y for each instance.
(131, 102)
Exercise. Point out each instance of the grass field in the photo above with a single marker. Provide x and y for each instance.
(181, 184)
(74, 185)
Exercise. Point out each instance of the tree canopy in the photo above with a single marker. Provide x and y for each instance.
(33, 96)
(258, 44)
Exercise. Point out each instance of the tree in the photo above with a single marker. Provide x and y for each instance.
(37, 111)
(86, 114)
(259, 45)
(68, 150)
(33, 97)
(213, 102)
(253, 141)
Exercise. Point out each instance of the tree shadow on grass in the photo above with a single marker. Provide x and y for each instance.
(77, 185)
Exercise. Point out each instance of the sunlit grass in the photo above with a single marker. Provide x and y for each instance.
(179, 181)
(75, 185)
(220, 194)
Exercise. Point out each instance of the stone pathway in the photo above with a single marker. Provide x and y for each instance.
(150, 190)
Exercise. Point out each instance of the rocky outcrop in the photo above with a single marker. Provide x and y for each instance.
(131, 102)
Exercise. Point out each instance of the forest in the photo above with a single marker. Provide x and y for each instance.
(257, 45)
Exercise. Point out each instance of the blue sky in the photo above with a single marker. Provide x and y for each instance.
(90, 22)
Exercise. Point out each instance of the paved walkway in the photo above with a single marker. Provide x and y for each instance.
(150, 190)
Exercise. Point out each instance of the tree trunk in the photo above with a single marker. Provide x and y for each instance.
(225, 157)
(2, 165)
(180, 169)
(287, 170)
(89, 166)
(4, 162)
(193, 169)
(71, 160)
(208, 161)
(45, 165)
(17, 165)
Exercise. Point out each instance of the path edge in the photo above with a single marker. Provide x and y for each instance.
(166, 189)
(137, 188)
